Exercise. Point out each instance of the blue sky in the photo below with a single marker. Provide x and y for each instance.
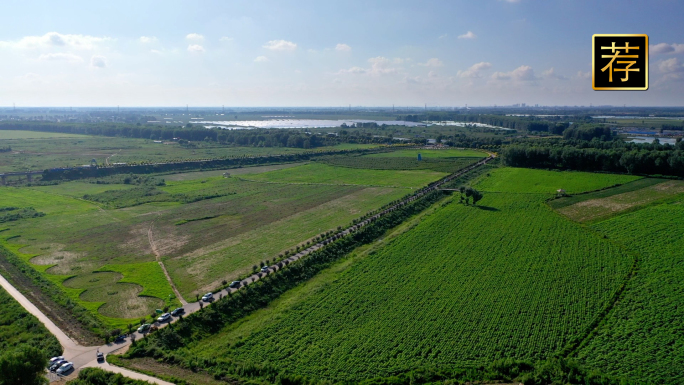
(327, 53)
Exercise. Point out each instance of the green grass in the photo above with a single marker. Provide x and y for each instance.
(523, 180)
(643, 336)
(324, 174)
(466, 286)
(213, 229)
(227, 258)
(148, 275)
(18, 327)
(40, 151)
(448, 165)
(426, 154)
(18, 134)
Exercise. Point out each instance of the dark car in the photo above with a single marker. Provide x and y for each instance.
(177, 312)
(100, 356)
(235, 284)
(120, 338)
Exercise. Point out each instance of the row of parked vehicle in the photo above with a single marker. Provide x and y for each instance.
(59, 365)
(166, 317)
(209, 297)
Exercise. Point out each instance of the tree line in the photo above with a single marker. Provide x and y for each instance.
(257, 137)
(616, 156)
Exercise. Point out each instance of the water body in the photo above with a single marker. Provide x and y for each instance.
(650, 139)
(300, 123)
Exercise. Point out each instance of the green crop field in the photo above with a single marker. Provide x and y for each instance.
(448, 165)
(318, 173)
(426, 154)
(521, 180)
(466, 285)
(17, 134)
(643, 335)
(40, 151)
(100, 242)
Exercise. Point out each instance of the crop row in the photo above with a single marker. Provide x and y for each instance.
(466, 286)
(643, 336)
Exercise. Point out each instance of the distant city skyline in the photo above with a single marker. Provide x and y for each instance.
(320, 54)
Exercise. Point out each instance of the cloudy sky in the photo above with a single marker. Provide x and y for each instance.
(327, 53)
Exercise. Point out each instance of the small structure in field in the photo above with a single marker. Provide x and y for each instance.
(561, 193)
(226, 175)
(420, 157)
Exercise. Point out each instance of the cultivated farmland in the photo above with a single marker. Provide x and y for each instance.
(643, 336)
(100, 241)
(465, 286)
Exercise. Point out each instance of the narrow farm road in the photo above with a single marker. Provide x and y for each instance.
(85, 356)
(157, 255)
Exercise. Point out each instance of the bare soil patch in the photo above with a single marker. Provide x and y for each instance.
(601, 208)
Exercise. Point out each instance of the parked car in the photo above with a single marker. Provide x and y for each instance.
(208, 297)
(265, 269)
(164, 317)
(235, 284)
(120, 338)
(56, 365)
(143, 328)
(65, 368)
(178, 311)
(100, 356)
(55, 359)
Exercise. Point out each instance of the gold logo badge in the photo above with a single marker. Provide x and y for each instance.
(619, 62)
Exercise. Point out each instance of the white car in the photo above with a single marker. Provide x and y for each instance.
(65, 368)
(164, 317)
(265, 269)
(208, 297)
(55, 359)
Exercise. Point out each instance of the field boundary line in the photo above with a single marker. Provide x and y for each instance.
(323, 184)
(157, 256)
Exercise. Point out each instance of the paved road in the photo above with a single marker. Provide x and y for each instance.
(85, 356)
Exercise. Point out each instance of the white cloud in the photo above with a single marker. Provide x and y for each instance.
(280, 45)
(342, 48)
(551, 74)
(443, 36)
(379, 66)
(353, 70)
(671, 65)
(195, 48)
(261, 59)
(148, 39)
(196, 37)
(583, 75)
(156, 52)
(664, 48)
(98, 61)
(60, 56)
(226, 39)
(54, 39)
(522, 73)
(672, 68)
(432, 74)
(434, 62)
(467, 35)
(474, 70)
(512, 1)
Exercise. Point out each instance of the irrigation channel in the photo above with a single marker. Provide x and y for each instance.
(85, 356)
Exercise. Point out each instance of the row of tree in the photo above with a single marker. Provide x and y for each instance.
(669, 161)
